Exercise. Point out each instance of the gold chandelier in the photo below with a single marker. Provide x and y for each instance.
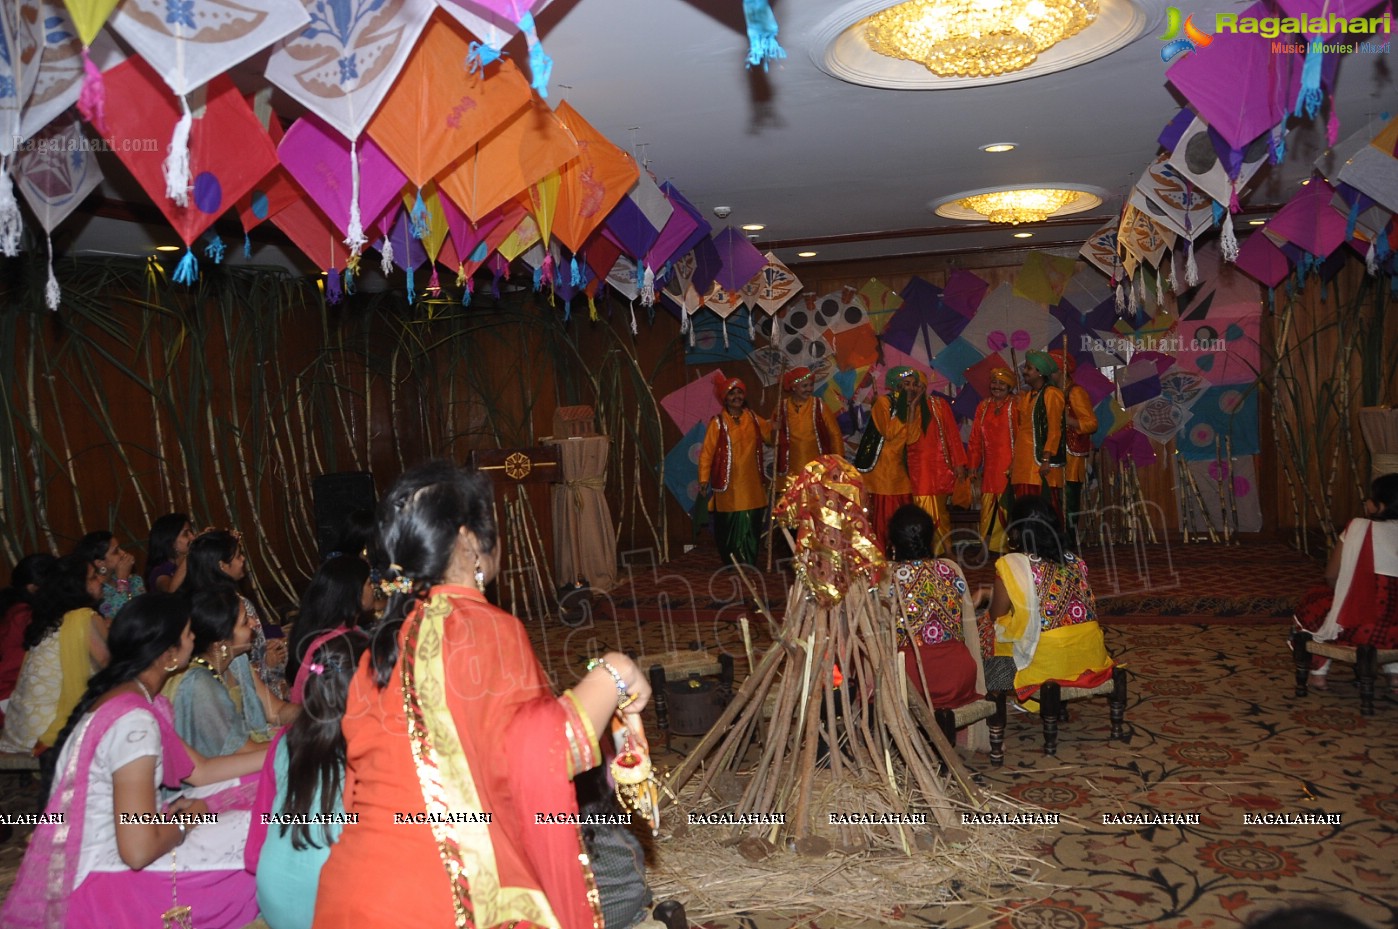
(975, 38)
(1020, 206)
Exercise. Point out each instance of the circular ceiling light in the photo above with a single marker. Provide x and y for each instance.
(1024, 235)
(1023, 203)
(753, 227)
(995, 148)
(167, 248)
(842, 48)
(806, 254)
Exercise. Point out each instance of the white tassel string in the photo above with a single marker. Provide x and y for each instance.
(386, 257)
(1191, 269)
(52, 294)
(354, 236)
(11, 222)
(1228, 241)
(176, 166)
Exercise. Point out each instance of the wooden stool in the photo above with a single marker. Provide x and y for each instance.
(1053, 695)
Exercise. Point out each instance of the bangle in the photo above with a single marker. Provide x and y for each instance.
(179, 824)
(624, 697)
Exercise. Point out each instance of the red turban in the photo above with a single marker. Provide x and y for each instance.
(1065, 361)
(794, 377)
(722, 385)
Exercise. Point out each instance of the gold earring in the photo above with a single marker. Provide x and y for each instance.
(223, 650)
(480, 575)
(173, 668)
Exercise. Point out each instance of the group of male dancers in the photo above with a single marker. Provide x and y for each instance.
(1025, 439)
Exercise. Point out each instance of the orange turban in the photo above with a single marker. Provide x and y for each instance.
(1002, 375)
(722, 385)
(1065, 361)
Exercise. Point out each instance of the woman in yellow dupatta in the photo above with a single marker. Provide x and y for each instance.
(460, 754)
(65, 644)
(1045, 614)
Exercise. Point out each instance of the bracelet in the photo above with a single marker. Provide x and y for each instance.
(624, 697)
(179, 824)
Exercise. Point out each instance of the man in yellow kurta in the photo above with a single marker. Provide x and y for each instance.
(805, 426)
(730, 466)
(1080, 423)
(882, 454)
(1039, 453)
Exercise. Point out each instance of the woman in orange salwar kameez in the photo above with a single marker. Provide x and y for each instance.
(459, 752)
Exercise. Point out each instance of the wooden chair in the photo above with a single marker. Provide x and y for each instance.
(1365, 658)
(1052, 710)
(992, 708)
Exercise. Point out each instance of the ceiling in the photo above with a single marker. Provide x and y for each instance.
(848, 171)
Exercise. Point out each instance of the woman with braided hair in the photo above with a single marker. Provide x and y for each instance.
(460, 753)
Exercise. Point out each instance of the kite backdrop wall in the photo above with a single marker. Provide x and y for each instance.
(1183, 371)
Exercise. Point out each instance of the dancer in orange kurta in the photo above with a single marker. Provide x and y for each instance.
(1039, 453)
(991, 452)
(730, 465)
(805, 427)
(1080, 422)
(882, 454)
(935, 462)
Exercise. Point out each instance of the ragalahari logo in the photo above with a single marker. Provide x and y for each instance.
(1175, 44)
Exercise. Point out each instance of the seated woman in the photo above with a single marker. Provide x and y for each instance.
(1045, 615)
(216, 557)
(116, 566)
(167, 551)
(338, 597)
(113, 861)
(934, 612)
(304, 777)
(221, 707)
(16, 612)
(1359, 604)
(452, 711)
(65, 644)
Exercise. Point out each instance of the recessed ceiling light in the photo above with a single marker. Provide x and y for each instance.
(167, 248)
(1257, 222)
(1305, 182)
(753, 227)
(805, 254)
(1024, 235)
(996, 147)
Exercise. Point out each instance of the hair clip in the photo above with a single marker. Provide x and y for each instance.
(400, 584)
(316, 668)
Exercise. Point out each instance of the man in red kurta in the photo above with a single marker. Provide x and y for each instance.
(935, 462)
(991, 452)
(730, 466)
(805, 427)
(1080, 423)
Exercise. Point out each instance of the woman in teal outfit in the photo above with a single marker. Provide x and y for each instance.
(304, 784)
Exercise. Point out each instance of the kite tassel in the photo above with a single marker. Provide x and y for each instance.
(762, 33)
(1278, 153)
(1133, 305)
(1332, 125)
(1174, 273)
(1191, 269)
(591, 308)
(412, 293)
(684, 321)
(333, 293)
(1233, 205)
(1371, 259)
(547, 269)
(539, 278)
(386, 257)
(1228, 241)
(1352, 220)
(215, 249)
(725, 331)
(1159, 289)
(52, 293)
(1309, 97)
(633, 319)
(247, 245)
(434, 283)
(1120, 297)
(187, 271)
(176, 165)
(574, 272)
(752, 325)
(648, 287)
(354, 234)
(92, 101)
(348, 279)
(568, 310)
(540, 64)
(466, 293)
(11, 223)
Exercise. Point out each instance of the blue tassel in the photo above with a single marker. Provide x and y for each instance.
(215, 248)
(247, 246)
(640, 274)
(762, 33)
(1271, 299)
(495, 287)
(1278, 145)
(349, 282)
(1309, 98)
(575, 277)
(333, 293)
(540, 64)
(1381, 249)
(479, 55)
(466, 294)
(1218, 212)
(538, 278)
(421, 224)
(1353, 219)
(568, 310)
(187, 271)
(412, 294)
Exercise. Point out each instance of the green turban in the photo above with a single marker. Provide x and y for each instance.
(894, 378)
(1043, 363)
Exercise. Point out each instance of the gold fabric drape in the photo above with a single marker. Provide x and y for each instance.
(584, 539)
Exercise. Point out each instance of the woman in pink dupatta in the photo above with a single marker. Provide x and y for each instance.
(460, 752)
(109, 855)
(1358, 605)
